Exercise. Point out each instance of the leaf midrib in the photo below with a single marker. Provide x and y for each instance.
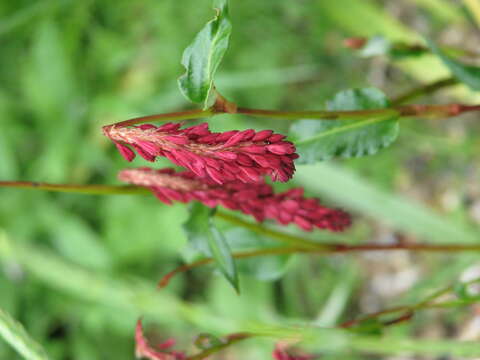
(346, 128)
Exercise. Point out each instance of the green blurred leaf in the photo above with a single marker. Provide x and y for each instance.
(14, 334)
(468, 74)
(346, 138)
(202, 58)
(205, 237)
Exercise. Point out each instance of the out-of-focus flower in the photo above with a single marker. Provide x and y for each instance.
(223, 157)
(258, 200)
(281, 352)
(355, 42)
(144, 350)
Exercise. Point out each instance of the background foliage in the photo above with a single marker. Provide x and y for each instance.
(77, 271)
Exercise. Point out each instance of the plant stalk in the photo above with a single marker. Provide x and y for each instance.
(174, 116)
(430, 111)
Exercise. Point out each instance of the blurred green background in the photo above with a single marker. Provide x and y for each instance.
(78, 270)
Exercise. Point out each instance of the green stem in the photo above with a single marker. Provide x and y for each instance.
(435, 111)
(300, 244)
(428, 303)
(164, 281)
(81, 189)
(317, 248)
(431, 111)
(424, 90)
(323, 115)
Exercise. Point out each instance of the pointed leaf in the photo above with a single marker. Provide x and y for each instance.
(468, 74)
(205, 236)
(318, 140)
(203, 56)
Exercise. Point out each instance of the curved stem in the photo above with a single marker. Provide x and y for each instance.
(165, 280)
(174, 116)
(432, 111)
(410, 310)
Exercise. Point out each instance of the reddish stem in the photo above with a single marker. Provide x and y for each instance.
(322, 248)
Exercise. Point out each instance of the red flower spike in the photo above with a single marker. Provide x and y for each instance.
(223, 157)
(144, 350)
(257, 200)
(280, 353)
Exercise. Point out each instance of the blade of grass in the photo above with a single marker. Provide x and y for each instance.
(14, 333)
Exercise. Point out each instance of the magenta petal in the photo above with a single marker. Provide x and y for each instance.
(125, 151)
(262, 135)
(177, 139)
(234, 140)
(147, 156)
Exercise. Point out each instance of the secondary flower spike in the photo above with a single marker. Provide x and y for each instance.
(223, 157)
(144, 350)
(257, 200)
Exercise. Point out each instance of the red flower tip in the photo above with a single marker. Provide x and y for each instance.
(280, 353)
(144, 350)
(223, 157)
(257, 200)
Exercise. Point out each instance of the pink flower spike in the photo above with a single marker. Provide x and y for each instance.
(254, 199)
(144, 350)
(254, 154)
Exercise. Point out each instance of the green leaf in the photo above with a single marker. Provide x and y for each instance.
(468, 74)
(202, 57)
(318, 140)
(14, 334)
(205, 237)
(265, 268)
